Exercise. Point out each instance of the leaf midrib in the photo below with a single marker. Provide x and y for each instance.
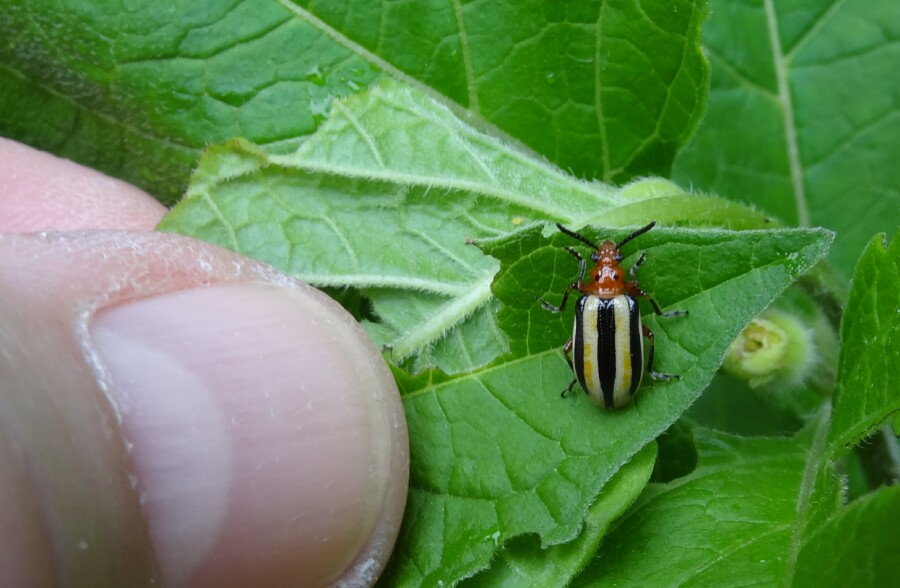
(815, 460)
(166, 141)
(442, 182)
(785, 100)
(470, 114)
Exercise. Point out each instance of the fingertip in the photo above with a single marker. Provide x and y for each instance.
(39, 191)
(268, 437)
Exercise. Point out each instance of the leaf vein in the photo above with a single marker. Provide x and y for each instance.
(511, 409)
(444, 250)
(349, 44)
(814, 461)
(385, 281)
(450, 314)
(166, 141)
(814, 28)
(785, 100)
(721, 63)
(229, 229)
(447, 183)
(366, 136)
(471, 85)
(876, 123)
(732, 549)
(599, 63)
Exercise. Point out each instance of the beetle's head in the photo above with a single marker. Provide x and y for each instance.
(606, 254)
(607, 276)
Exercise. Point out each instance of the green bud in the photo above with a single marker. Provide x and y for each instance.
(775, 347)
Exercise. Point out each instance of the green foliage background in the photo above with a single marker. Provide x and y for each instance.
(365, 146)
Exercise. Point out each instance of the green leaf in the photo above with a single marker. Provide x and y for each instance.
(523, 562)
(869, 369)
(765, 510)
(609, 89)
(857, 547)
(496, 453)
(139, 92)
(803, 115)
(38, 116)
(365, 203)
(743, 513)
(733, 517)
(385, 196)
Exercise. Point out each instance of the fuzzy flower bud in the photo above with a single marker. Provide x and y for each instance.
(775, 346)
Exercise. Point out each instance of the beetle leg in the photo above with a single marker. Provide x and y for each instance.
(655, 375)
(576, 286)
(674, 313)
(567, 349)
(582, 265)
(634, 268)
(562, 305)
(636, 291)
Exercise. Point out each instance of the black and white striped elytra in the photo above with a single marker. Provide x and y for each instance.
(608, 349)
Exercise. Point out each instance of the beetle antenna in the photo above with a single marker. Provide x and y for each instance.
(637, 233)
(575, 235)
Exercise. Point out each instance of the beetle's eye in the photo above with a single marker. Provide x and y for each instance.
(595, 256)
(619, 257)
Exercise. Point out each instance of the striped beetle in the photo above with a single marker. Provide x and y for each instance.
(607, 340)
